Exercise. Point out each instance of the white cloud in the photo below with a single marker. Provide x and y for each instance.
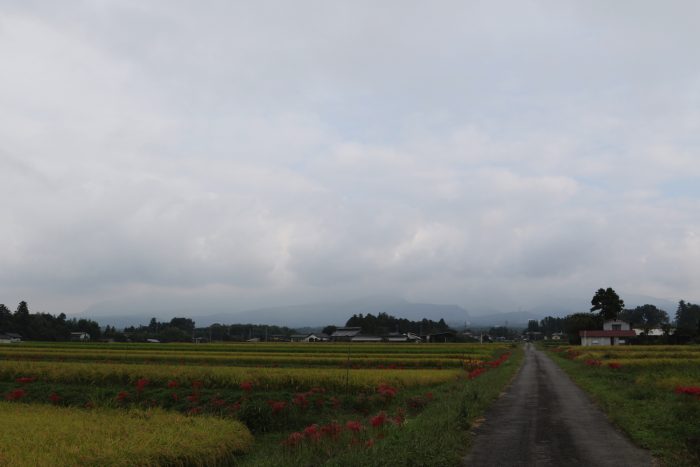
(489, 156)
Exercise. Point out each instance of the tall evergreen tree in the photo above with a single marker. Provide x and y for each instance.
(607, 303)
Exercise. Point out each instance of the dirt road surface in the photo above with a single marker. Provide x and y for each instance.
(544, 419)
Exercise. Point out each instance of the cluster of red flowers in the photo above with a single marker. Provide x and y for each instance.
(122, 396)
(475, 372)
(333, 430)
(300, 400)
(141, 384)
(689, 390)
(54, 398)
(386, 391)
(247, 386)
(391, 366)
(496, 363)
(354, 425)
(217, 402)
(197, 385)
(615, 365)
(593, 362)
(378, 420)
(15, 394)
(277, 406)
(172, 384)
(25, 379)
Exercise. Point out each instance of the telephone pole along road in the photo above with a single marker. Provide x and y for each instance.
(544, 419)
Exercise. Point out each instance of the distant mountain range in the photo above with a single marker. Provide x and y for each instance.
(309, 315)
(337, 313)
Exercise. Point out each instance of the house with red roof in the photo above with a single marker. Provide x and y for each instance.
(614, 332)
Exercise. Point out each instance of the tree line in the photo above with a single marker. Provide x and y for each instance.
(184, 329)
(43, 326)
(384, 324)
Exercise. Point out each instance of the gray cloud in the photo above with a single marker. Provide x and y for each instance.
(259, 153)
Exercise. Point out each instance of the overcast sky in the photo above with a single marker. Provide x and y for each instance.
(491, 154)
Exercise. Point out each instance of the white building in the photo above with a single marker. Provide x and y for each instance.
(615, 332)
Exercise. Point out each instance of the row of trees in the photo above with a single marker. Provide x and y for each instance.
(384, 324)
(43, 326)
(184, 329)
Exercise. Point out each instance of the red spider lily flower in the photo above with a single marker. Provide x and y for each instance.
(369, 443)
(311, 432)
(690, 390)
(300, 400)
(172, 384)
(354, 425)
(277, 406)
(593, 362)
(247, 386)
(476, 372)
(122, 396)
(196, 385)
(15, 394)
(218, 402)
(294, 439)
(175, 396)
(141, 384)
(615, 365)
(378, 420)
(54, 398)
(387, 391)
(25, 379)
(332, 430)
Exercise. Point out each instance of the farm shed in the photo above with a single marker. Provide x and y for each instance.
(360, 338)
(79, 336)
(10, 338)
(345, 334)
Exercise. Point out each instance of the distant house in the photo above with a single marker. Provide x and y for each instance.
(407, 337)
(322, 337)
(299, 337)
(653, 332)
(345, 334)
(361, 338)
(446, 336)
(311, 337)
(10, 338)
(79, 336)
(615, 332)
(558, 336)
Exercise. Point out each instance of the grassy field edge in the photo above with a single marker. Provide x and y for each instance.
(652, 419)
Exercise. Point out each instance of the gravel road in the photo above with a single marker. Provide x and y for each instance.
(544, 419)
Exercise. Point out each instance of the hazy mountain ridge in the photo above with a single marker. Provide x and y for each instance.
(337, 313)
